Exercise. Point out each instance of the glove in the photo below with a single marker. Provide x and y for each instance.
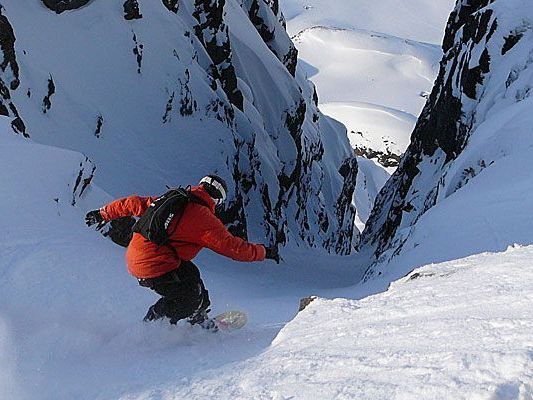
(272, 253)
(94, 217)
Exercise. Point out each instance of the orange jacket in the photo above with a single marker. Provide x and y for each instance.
(197, 228)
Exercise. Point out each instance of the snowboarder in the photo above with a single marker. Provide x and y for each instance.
(168, 269)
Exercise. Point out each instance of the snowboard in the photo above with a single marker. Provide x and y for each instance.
(230, 321)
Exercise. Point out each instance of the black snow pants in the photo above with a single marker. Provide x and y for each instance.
(183, 293)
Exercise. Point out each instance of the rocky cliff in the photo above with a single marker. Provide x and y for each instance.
(164, 92)
(487, 66)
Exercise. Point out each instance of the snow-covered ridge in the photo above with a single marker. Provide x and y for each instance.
(163, 92)
(387, 16)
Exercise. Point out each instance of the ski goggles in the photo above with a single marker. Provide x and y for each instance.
(210, 181)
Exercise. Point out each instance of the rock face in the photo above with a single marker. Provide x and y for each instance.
(270, 23)
(213, 34)
(191, 88)
(63, 5)
(9, 75)
(482, 70)
(131, 10)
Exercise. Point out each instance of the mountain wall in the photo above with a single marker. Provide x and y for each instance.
(164, 92)
(485, 72)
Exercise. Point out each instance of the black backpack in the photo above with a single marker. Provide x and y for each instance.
(154, 223)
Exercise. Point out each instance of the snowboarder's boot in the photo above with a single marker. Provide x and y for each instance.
(201, 318)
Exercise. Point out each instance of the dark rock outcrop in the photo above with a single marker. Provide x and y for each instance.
(63, 5)
(304, 302)
(83, 180)
(47, 100)
(138, 52)
(99, 124)
(9, 75)
(171, 5)
(387, 159)
(268, 21)
(212, 32)
(131, 10)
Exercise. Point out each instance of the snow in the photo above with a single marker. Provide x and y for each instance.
(70, 315)
(457, 327)
(446, 331)
(370, 179)
(418, 20)
(373, 62)
(373, 126)
(369, 67)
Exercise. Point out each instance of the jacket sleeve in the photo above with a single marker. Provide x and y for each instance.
(214, 235)
(126, 207)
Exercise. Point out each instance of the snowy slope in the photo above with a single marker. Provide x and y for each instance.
(459, 330)
(417, 20)
(70, 315)
(373, 65)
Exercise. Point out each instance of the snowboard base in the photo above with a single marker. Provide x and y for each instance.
(230, 320)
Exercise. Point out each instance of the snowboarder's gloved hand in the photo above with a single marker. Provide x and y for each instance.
(272, 253)
(94, 217)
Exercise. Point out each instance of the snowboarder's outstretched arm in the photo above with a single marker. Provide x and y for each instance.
(126, 207)
(211, 233)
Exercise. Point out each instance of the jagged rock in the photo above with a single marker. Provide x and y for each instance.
(84, 178)
(63, 5)
(99, 124)
(388, 159)
(304, 302)
(47, 103)
(131, 10)
(267, 19)
(9, 75)
(344, 210)
(213, 34)
(187, 104)
(138, 52)
(171, 5)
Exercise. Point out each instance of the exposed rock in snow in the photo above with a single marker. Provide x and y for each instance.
(63, 5)
(9, 74)
(481, 75)
(268, 20)
(131, 10)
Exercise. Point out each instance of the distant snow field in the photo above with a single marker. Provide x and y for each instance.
(373, 63)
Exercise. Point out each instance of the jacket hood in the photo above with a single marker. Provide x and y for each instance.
(200, 192)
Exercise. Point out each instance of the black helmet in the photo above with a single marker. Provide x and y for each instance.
(216, 187)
